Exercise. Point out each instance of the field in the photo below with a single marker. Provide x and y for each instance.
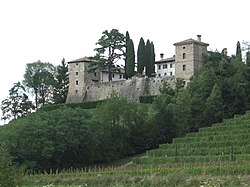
(215, 156)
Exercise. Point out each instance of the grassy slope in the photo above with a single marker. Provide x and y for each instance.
(215, 155)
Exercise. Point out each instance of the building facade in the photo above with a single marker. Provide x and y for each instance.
(186, 62)
(90, 86)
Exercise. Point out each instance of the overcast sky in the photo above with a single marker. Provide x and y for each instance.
(49, 30)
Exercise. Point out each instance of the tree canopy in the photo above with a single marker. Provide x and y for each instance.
(111, 49)
(39, 78)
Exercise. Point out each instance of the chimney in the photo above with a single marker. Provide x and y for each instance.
(161, 56)
(199, 37)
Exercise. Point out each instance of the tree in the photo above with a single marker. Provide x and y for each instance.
(149, 58)
(61, 84)
(126, 56)
(111, 50)
(130, 59)
(248, 58)
(9, 174)
(152, 60)
(141, 56)
(17, 104)
(214, 107)
(238, 51)
(39, 78)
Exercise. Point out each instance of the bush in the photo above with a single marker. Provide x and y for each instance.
(84, 105)
(147, 98)
(9, 174)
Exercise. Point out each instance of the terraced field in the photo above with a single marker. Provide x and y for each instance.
(220, 150)
(217, 150)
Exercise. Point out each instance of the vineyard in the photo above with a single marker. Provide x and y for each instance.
(215, 155)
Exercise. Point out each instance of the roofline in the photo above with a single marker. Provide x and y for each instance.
(85, 59)
(190, 41)
(171, 59)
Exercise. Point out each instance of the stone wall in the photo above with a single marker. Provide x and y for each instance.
(132, 89)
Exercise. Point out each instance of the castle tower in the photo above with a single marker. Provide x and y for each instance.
(78, 78)
(189, 57)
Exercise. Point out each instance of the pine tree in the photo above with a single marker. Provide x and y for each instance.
(238, 51)
(141, 56)
(110, 49)
(130, 59)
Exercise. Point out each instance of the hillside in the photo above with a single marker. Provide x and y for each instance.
(218, 155)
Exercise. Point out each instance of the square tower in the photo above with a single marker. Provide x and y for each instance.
(189, 57)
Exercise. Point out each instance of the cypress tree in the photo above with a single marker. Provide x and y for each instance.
(238, 51)
(248, 58)
(141, 56)
(130, 59)
(152, 58)
(148, 59)
(126, 57)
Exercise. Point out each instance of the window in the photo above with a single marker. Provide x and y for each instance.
(120, 76)
(159, 75)
(159, 67)
(165, 74)
(171, 65)
(171, 73)
(95, 74)
(183, 47)
(183, 55)
(165, 66)
(76, 91)
(76, 82)
(184, 67)
(113, 75)
(77, 73)
(76, 64)
(124, 76)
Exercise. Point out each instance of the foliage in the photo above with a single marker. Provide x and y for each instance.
(55, 139)
(112, 44)
(238, 51)
(149, 58)
(214, 107)
(84, 105)
(39, 78)
(147, 98)
(9, 174)
(17, 104)
(141, 56)
(61, 84)
(130, 59)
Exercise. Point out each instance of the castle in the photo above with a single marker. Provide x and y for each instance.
(86, 86)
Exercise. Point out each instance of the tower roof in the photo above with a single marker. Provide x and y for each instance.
(190, 41)
(84, 59)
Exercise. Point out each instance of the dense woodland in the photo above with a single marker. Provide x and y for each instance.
(63, 136)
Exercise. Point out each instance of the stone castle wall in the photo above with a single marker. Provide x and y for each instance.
(131, 89)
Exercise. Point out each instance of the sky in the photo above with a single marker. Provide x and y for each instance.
(49, 30)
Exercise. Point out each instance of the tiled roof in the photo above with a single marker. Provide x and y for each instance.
(190, 41)
(84, 59)
(171, 59)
